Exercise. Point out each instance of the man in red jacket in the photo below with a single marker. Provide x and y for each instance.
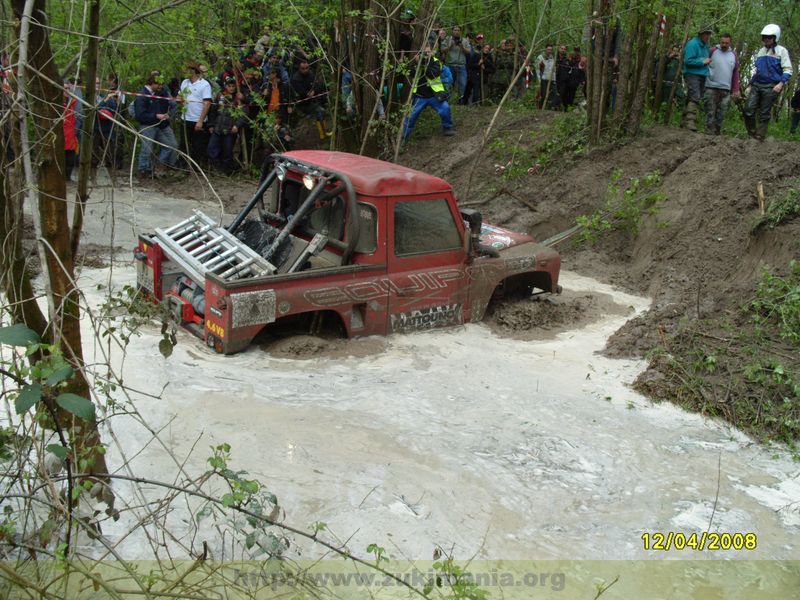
(70, 135)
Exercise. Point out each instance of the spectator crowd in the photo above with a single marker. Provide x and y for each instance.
(246, 111)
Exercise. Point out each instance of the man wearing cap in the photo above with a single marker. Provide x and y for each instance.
(695, 71)
(152, 107)
(472, 93)
(773, 71)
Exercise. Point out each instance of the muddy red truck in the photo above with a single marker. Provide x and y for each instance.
(332, 239)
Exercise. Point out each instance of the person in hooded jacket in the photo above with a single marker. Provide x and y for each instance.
(773, 69)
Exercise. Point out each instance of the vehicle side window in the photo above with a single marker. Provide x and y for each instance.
(368, 229)
(422, 226)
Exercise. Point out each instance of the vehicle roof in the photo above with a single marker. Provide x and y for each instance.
(372, 177)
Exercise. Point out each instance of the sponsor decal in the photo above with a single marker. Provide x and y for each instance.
(496, 237)
(145, 276)
(215, 311)
(215, 329)
(486, 228)
(427, 318)
(364, 291)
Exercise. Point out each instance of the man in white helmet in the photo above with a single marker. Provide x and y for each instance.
(773, 68)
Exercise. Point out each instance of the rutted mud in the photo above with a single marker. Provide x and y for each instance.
(538, 318)
(544, 317)
(310, 346)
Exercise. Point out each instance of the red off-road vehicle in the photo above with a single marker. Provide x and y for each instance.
(331, 237)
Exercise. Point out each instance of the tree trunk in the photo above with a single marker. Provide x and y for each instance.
(46, 102)
(645, 70)
(370, 94)
(598, 68)
(624, 76)
(14, 280)
(662, 66)
(679, 69)
(604, 75)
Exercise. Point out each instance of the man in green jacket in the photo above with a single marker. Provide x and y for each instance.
(695, 71)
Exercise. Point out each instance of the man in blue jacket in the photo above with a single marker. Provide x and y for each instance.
(152, 109)
(695, 71)
(773, 71)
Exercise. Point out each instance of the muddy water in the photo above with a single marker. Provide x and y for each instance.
(494, 446)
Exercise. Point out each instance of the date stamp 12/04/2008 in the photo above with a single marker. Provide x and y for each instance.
(705, 541)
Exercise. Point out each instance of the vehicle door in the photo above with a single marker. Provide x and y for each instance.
(427, 258)
(360, 298)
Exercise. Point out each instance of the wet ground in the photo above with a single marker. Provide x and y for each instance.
(484, 441)
(496, 447)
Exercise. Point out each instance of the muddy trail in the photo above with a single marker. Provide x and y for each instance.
(698, 252)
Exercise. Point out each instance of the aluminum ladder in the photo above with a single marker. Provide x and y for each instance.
(200, 246)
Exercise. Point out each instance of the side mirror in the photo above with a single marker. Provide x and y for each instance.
(475, 221)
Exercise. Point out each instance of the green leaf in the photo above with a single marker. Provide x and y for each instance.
(27, 397)
(203, 513)
(77, 405)
(165, 347)
(59, 375)
(18, 335)
(58, 450)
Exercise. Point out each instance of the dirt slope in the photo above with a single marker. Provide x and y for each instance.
(699, 243)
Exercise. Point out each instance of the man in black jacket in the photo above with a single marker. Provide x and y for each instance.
(152, 108)
(480, 68)
(308, 96)
(225, 120)
(795, 111)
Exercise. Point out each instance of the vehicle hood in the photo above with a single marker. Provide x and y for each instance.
(500, 238)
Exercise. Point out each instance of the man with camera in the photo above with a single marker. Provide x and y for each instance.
(455, 50)
(429, 91)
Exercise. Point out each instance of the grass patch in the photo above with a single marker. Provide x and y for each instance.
(782, 209)
(544, 148)
(623, 208)
(742, 366)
